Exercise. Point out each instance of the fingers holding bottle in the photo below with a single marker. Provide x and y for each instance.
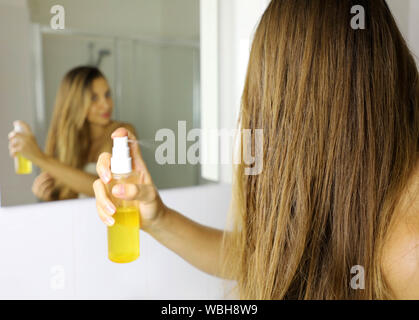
(22, 141)
(152, 208)
(122, 187)
(22, 126)
(103, 167)
(106, 209)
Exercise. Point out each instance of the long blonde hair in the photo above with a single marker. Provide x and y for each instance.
(68, 137)
(339, 109)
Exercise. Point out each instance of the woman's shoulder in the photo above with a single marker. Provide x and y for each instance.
(401, 249)
(401, 260)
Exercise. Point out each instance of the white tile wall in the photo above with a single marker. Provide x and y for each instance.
(59, 251)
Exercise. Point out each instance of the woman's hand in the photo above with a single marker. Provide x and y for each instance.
(151, 207)
(24, 143)
(43, 186)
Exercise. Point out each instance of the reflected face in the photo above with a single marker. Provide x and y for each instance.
(100, 110)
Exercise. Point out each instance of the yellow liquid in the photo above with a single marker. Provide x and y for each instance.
(124, 235)
(22, 165)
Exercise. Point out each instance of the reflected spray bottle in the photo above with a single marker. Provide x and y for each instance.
(22, 165)
(124, 235)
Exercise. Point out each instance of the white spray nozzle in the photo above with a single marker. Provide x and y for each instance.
(121, 160)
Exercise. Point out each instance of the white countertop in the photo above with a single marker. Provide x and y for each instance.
(58, 250)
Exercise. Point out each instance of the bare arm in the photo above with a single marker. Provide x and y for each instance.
(198, 244)
(76, 179)
(25, 144)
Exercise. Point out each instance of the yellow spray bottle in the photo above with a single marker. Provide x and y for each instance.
(22, 165)
(124, 235)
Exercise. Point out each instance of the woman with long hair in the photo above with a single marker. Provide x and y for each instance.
(339, 110)
(79, 131)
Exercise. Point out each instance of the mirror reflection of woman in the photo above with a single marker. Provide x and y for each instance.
(80, 130)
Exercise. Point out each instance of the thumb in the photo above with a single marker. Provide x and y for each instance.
(22, 124)
(47, 175)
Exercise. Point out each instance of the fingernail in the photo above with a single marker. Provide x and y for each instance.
(110, 208)
(106, 177)
(110, 221)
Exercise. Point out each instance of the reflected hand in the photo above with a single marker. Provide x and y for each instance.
(24, 143)
(43, 186)
(151, 206)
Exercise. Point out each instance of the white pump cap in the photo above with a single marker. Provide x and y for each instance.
(121, 160)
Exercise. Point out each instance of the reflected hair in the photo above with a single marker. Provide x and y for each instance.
(339, 113)
(68, 137)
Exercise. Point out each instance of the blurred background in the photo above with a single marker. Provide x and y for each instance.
(149, 52)
(149, 56)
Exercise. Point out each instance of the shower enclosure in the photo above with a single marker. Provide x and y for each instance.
(154, 82)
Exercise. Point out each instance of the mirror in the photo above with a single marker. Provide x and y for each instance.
(149, 55)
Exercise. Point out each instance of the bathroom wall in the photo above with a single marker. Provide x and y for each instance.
(59, 251)
(406, 13)
(162, 18)
(152, 78)
(414, 28)
(401, 12)
(238, 20)
(166, 19)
